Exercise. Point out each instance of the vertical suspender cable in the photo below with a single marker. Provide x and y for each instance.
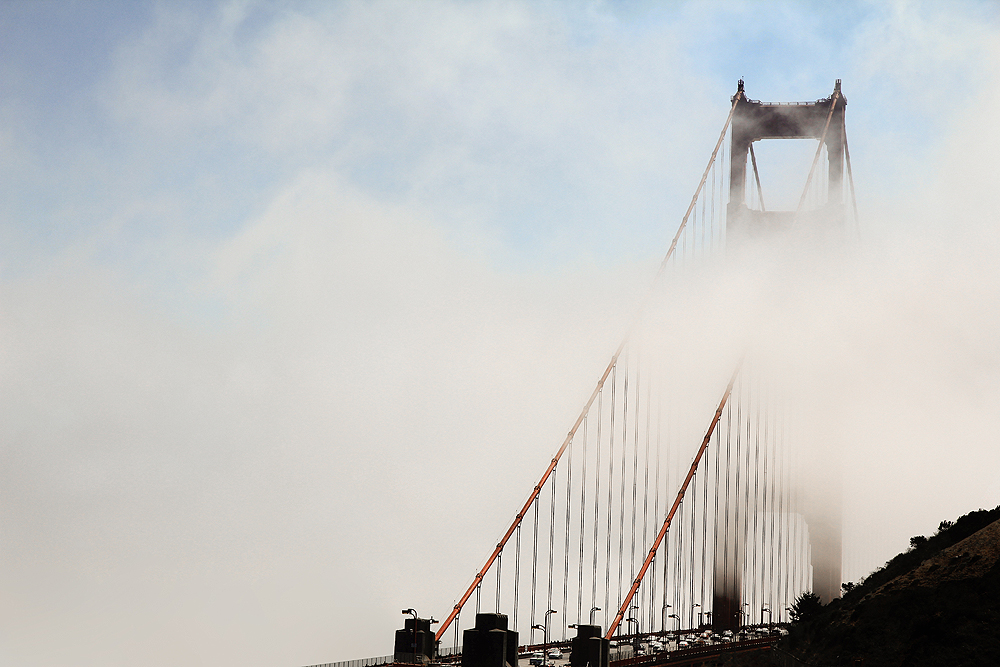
(728, 508)
(711, 215)
(694, 540)
(739, 546)
(766, 517)
(621, 502)
(645, 497)
(703, 224)
(517, 575)
(552, 537)
(534, 570)
(715, 520)
(677, 503)
(499, 569)
(583, 525)
(704, 527)
(635, 463)
(656, 503)
(745, 533)
(783, 524)
(611, 493)
(771, 492)
(755, 541)
(565, 600)
(597, 493)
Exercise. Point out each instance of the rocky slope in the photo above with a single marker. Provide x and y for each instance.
(937, 604)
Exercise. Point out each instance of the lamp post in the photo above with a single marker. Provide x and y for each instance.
(414, 644)
(592, 610)
(545, 637)
(678, 630)
(635, 636)
(538, 626)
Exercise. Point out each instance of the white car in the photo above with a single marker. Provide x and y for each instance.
(554, 654)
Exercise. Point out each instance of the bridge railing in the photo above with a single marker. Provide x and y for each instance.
(361, 662)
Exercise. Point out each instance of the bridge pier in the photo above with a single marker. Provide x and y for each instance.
(590, 649)
(490, 643)
(415, 642)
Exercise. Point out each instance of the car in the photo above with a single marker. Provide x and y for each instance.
(555, 654)
(535, 658)
(683, 644)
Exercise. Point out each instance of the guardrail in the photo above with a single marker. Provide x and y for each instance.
(705, 651)
(362, 662)
(619, 657)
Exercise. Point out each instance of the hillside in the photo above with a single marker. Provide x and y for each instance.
(936, 604)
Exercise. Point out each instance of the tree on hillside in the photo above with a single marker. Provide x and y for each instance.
(806, 607)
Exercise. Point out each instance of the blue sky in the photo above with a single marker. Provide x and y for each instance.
(168, 103)
(246, 247)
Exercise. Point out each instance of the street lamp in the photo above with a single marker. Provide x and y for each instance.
(414, 612)
(592, 610)
(635, 636)
(676, 632)
(538, 626)
(545, 637)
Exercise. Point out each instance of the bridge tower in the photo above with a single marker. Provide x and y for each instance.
(754, 121)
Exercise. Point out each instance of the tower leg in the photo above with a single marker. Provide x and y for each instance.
(727, 598)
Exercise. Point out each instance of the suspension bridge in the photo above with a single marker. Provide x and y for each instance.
(671, 509)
